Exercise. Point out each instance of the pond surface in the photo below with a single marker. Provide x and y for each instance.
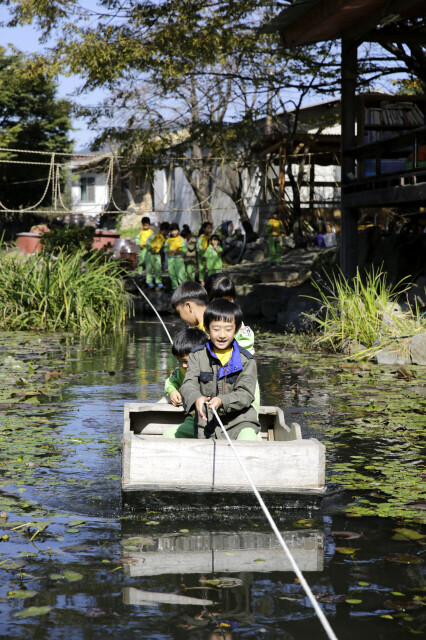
(74, 565)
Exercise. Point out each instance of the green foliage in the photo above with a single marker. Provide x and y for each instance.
(362, 310)
(74, 292)
(31, 118)
(68, 240)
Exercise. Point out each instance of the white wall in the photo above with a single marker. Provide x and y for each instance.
(101, 194)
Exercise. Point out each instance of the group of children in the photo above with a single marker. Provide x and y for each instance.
(182, 250)
(216, 368)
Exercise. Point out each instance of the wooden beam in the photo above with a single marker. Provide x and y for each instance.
(384, 36)
(349, 215)
(413, 194)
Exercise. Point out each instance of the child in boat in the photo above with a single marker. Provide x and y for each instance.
(274, 231)
(175, 249)
(141, 239)
(213, 256)
(184, 342)
(222, 375)
(154, 245)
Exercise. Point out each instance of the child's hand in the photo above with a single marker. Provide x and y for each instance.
(215, 243)
(176, 398)
(199, 406)
(215, 403)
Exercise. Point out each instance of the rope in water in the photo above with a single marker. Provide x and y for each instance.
(154, 309)
(326, 625)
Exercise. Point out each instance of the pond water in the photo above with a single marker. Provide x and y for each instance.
(75, 565)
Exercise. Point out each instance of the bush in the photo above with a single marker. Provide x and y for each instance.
(77, 292)
(68, 240)
(363, 310)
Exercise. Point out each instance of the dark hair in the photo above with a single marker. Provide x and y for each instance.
(215, 237)
(186, 340)
(165, 226)
(174, 226)
(186, 231)
(145, 220)
(223, 310)
(219, 285)
(203, 227)
(189, 292)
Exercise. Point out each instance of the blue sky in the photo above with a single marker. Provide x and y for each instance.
(26, 39)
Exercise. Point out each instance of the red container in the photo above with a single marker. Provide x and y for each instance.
(104, 239)
(28, 242)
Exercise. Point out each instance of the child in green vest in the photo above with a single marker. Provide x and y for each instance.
(184, 342)
(190, 258)
(213, 256)
(154, 245)
(202, 244)
(141, 240)
(274, 231)
(175, 249)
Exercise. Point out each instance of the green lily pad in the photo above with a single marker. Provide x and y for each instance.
(353, 601)
(407, 534)
(347, 550)
(56, 576)
(73, 576)
(33, 611)
(21, 594)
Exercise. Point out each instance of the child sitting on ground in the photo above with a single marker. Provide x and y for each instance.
(184, 342)
(223, 375)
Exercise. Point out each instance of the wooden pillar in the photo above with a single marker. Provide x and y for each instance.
(349, 220)
(282, 159)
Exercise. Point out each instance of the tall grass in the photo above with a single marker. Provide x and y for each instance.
(81, 292)
(364, 310)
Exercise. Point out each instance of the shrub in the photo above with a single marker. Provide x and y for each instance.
(81, 292)
(363, 310)
(68, 240)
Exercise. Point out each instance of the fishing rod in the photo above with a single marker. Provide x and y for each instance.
(153, 308)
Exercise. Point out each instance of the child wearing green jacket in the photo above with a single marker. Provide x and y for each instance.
(213, 256)
(184, 342)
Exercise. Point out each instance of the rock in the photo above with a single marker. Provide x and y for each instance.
(352, 347)
(397, 353)
(294, 320)
(269, 309)
(417, 349)
(301, 302)
(417, 293)
(130, 221)
(250, 305)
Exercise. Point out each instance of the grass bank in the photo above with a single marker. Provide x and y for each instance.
(80, 292)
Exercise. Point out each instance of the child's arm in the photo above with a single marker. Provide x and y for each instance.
(190, 389)
(243, 394)
(183, 247)
(172, 386)
(166, 248)
(245, 338)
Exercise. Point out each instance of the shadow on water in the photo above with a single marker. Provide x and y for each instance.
(97, 571)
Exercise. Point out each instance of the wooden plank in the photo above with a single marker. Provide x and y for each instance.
(211, 464)
(140, 597)
(224, 552)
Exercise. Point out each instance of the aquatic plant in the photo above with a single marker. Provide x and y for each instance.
(81, 292)
(363, 311)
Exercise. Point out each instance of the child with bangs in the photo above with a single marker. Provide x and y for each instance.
(222, 375)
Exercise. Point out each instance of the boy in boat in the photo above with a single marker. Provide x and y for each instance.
(184, 342)
(223, 376)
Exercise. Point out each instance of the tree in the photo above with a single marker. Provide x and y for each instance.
(31, 119)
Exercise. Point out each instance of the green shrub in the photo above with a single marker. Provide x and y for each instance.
(68, 240)
(80, 292)
(363, 310)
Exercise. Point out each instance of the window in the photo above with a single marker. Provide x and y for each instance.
(87, 186)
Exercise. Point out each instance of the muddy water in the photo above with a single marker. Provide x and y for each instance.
(93, 571)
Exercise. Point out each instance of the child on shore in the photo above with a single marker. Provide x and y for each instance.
(154, 245)
(175, 249)
(274, 231)
(213, 256)
(185, 341)
(190, 258)
(141, 240)
(202, 244)
(223, 375)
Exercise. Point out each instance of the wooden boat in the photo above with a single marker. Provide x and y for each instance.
(159, 472)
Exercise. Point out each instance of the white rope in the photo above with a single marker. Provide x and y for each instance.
(327, 628)
(154, 309)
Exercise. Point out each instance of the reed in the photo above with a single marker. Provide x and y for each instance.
(79, 292)
(363, 309)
